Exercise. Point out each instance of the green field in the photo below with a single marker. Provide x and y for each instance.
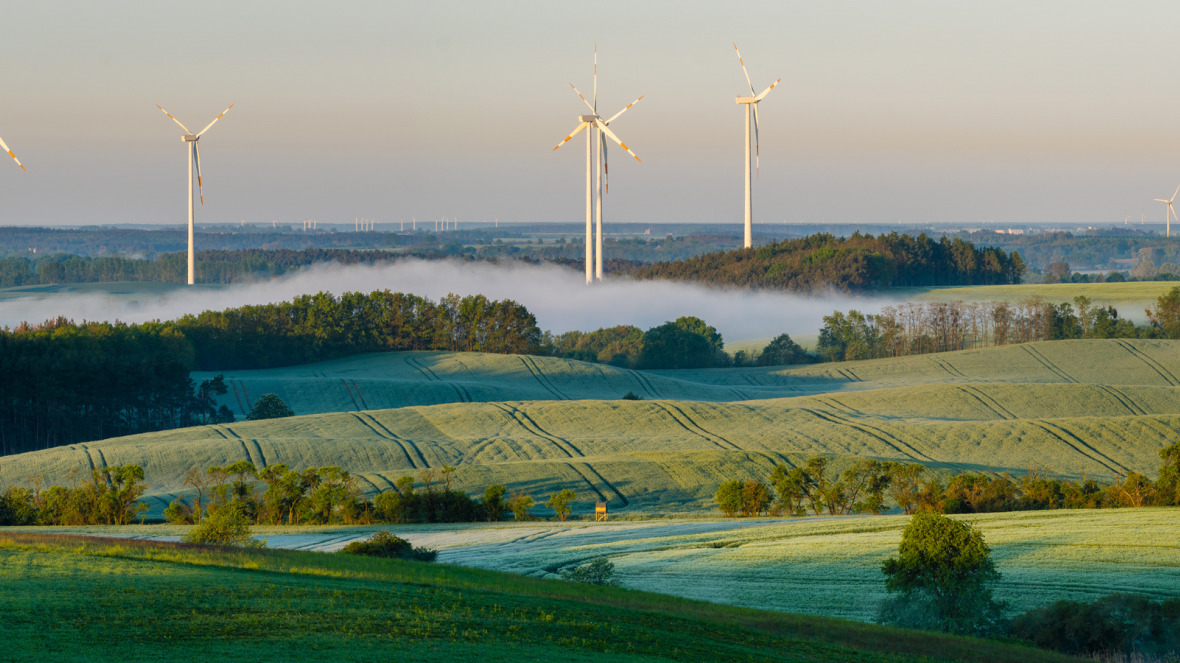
(1099, 408)
(62, 598)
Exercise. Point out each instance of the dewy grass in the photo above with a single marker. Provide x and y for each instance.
(149, 601)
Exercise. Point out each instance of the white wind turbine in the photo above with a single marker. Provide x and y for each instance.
(194, 157)
(751, 101)
(1169, 212)
(594, 251)
(3, 145)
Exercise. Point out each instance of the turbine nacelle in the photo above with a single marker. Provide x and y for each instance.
(746, 100)
(189, 138)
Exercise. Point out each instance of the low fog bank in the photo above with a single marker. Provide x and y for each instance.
(557, 296)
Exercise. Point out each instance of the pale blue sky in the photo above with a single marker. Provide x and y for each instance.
(919, 111)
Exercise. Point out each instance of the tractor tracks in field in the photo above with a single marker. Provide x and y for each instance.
(888, 439)
(987, 402)
(645, 383)
(369, 421)
(530, 365)
(1079, 445)
(1044, 361)
(686, 422)
(526, 422)
(601, 479)
(1154, 365)
(354, 393)
(431, 376)
(1123, 399)
(947, 366)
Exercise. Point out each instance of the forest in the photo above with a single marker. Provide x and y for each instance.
(63, 382)
(853, 264)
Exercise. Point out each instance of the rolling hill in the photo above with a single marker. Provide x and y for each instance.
(1099, 408)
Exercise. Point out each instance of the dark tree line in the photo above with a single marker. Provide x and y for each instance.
(855, 263)
(63, 382)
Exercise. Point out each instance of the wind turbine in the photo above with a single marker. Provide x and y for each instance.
(1169, 212)
(751, 101)
(194, 157)
(3, 145)
(592, 122)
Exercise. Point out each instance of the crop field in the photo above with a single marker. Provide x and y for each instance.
(820, 566)
(1098, 408)
(1130, 298)
(65, 598)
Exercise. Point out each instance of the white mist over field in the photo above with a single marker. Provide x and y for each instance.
(557, 296)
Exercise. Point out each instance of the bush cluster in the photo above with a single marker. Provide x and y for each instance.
(109, 496)
(384, 544)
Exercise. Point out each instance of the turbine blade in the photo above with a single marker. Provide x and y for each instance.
(767, 90)
(197, 161)
(1159, 200)
(605, 161)
(215, 119)
(174, 119)
(5, 146)
(584, 100)
(595, 78)
(575, 132)
(616, 115)
(757, 154)
(743, 63)
(603, 128)
(1174, 194)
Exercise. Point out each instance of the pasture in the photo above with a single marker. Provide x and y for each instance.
(1098, 408)
(62, 598)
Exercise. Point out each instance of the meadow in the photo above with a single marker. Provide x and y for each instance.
(1094, 408)
(1130, 298)
(97, 600)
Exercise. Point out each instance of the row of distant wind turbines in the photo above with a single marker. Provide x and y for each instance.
(590, 124)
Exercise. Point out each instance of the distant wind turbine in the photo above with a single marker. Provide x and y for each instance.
(751, 102)
(194, 157)
(3, 145)
(592, 122)
(1169, 212)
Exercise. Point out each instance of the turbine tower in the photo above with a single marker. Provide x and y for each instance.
(5, 146)
(751, 102)
(1168, 212)
(194, 157)
(593, 122)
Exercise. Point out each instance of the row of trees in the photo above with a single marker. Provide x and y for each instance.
(924, 327)
(108, 496)
(871, 486)
(687, 342)
(855, 263)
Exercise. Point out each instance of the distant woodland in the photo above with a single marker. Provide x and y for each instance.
(853, 264)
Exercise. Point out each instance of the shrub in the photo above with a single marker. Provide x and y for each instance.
(270, 406)
(228, 525)
(632, 396)
(560, 503)
(598, 571)
(1117, 624)
(384, 544)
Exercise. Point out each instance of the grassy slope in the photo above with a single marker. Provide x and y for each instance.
(1129, 298)
(100, 601)
(1087, 407)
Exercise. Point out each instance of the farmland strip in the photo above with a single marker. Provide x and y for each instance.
(848, 374)
(261, 456)
(943, 365)
(1153, 364)
(990, 399)
(350, 396)
(399, 439)
(1123, 399)
(358, 395)
(385, 479)
(238, 398)
(1044, 361)
(413, 361)
(537, 377)
(366, 480)
(979, 397)
(588, 482)
(223, 435)
(608, 484)
(231, 432)
(246, 451)
(391, 439)
(246, 394)
(464, 395)
(838, 406)
(691, 426)
(889, 440)
(524, 421)
(1080, 446)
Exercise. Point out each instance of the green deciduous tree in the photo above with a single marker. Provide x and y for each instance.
(560, 502)
(269, 406)
(942, 579)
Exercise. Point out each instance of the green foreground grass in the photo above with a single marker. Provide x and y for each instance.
(72, 598)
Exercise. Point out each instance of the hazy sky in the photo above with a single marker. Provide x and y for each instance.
(915, 111)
